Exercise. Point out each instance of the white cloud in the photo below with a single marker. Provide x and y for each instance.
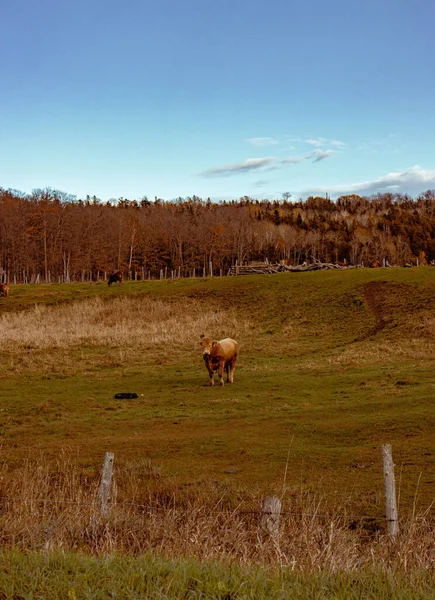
(317, 142)
(411, 181)
(263, 141)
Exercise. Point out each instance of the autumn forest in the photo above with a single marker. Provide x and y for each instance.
(51, 236)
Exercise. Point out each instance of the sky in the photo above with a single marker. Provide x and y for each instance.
(217, 98)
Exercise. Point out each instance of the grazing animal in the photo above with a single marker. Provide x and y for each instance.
(374, 264)
(4, 289)
(220, 355)
(115, 277)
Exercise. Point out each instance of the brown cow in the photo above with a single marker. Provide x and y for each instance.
(4, 289)
(375, 264)
(220, 355)
(116, 276)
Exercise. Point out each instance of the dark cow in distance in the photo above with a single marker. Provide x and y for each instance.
(375, 264)
(115, 277)
(219, 356)
(4, 289)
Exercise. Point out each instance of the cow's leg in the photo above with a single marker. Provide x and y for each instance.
(210, 371)
(210, 374)
(221, 372)
(232, 367)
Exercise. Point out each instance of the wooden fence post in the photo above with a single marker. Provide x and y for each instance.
(106, 483)
(390, 491)
(270, 516)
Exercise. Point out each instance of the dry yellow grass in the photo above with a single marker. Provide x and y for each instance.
(121, 322)
(55, 507)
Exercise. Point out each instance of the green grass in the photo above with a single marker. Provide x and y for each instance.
(333, 365)
(74, 576)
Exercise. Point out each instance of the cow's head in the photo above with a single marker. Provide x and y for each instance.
(207, 344)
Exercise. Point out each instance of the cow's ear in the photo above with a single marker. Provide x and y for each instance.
(214, 344)
(202, 336)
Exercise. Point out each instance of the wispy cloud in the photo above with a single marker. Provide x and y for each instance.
(246, 166)
(317, 142)
(263, 141)
(318, 155)
(267, 163)
(291, 160)
(321, 141)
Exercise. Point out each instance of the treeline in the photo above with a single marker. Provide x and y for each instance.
(51, 236)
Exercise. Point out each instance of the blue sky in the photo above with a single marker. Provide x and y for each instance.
(217, 98)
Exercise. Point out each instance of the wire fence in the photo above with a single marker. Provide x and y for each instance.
(150, 508)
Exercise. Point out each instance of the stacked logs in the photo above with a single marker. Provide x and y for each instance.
(266, 268)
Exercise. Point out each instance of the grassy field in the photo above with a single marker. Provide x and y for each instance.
(332, 365)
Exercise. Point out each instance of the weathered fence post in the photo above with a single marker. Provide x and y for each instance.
(106, 482)
(390, 491)
(270, 517)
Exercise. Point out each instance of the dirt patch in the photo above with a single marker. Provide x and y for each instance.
(374, 296)
(382, 298)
